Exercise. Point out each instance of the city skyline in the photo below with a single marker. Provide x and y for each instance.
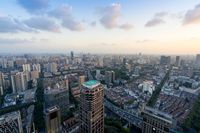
(108, 26)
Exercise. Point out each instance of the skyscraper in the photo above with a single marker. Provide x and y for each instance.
(19, 81)
(155, 121)
(91, 107)
(72, 55)
(53, 67)
(36, 67)
(2, 83)
(109, 77)
(52, 120)
(26, 67)
(198, 60)
(57, 96)
(177, 62)
(81, 80)
(11, 123)
(165, 60)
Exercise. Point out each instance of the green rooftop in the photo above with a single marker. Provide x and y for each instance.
(91, 84)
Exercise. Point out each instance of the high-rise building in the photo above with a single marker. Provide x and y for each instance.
(72, 55)
(2, 83)
(20, 62)
(155, 121)
(198, 60)
(109, 77)
(34, 75)
(57, 96)
(53, 67)
(177, 62)
(52, 119)
(11, 123)
(165, 60)
(19, 81)
(26, 67)
(91, 107)
(81, 80)
(36, 67)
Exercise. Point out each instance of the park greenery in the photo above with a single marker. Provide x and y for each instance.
(38, 112)
(156, 93)
(114, 125)
(193, 120)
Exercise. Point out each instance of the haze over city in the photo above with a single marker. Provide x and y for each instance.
(99, 66)
(104, 26)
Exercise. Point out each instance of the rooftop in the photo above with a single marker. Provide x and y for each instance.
(91, 84)
(9, 117)
(157, 113)
(52, 109)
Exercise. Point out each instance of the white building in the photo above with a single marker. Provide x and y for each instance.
(26, 67)
(148, 86)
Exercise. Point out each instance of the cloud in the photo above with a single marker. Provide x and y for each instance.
(161, 14)
(42, 23)
(126, 26)
(93, 23)
(110, 16)
(107, 44)
(72, 25)
(34, 6)
(144, 41)
(11, 41)
(157, 19)
(192, 16)
(10, 25)
(63, 12)
(154, 22)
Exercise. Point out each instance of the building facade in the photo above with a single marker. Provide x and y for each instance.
(198, 60)
(109, 77)
(52, 119)
(57, 96)
(155, 121)
(2, 84)
(92, 108)
(81, 80)
(11, 123)
(19, 81)
(165, 60)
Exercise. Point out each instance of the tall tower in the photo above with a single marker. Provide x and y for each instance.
(11, 123)
(26, 67)
(81, 80)
(52, 120)
(2, 83)
(177, 62)
(72, 55)
(19, 81)
(109, 77)
(198, 60)
(92, 108)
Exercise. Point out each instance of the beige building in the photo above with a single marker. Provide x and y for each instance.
(52, 119)
(92, 108)
(81, 80)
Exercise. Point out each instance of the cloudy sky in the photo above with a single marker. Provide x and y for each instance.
(100, 26)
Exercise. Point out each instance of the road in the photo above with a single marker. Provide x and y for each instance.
(131, 118)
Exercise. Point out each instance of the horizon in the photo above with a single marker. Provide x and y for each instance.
(84, 53)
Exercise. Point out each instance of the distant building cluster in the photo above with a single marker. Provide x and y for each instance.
(82, 93)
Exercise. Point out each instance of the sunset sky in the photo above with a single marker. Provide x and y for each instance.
(100, 26)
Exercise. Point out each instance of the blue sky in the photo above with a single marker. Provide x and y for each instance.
(100, 26)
